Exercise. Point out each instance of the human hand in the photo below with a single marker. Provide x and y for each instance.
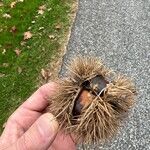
(28, 128)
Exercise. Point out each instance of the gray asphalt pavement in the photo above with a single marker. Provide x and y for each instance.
(118, 31)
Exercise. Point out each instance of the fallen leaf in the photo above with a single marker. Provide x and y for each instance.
(42, 7)
(51, 36)
(40, 12)
(45, 74)
(7, 16)
(19, 70)
(58, 26)
(27, 35)
(13, 4)
(2, 75)
(13, 29)
(5, 64)
(17, 51)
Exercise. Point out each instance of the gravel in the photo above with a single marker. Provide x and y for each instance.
(118, 32)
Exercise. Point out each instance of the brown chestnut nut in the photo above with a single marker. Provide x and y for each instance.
(93, 87)
(97, 84)
(83, 100)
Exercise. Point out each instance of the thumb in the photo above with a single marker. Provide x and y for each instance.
(40, 135)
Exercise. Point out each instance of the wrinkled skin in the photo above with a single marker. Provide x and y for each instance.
(29, 128)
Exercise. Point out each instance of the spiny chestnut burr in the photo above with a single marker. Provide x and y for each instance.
(91, 102)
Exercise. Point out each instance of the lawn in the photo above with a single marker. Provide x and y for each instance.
(30, 37)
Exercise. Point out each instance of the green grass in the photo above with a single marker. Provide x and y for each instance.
(37, 52)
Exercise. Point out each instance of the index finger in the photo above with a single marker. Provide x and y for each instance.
(38, 101)
(32, 108)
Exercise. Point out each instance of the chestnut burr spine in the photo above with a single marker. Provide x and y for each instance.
(100, 117)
